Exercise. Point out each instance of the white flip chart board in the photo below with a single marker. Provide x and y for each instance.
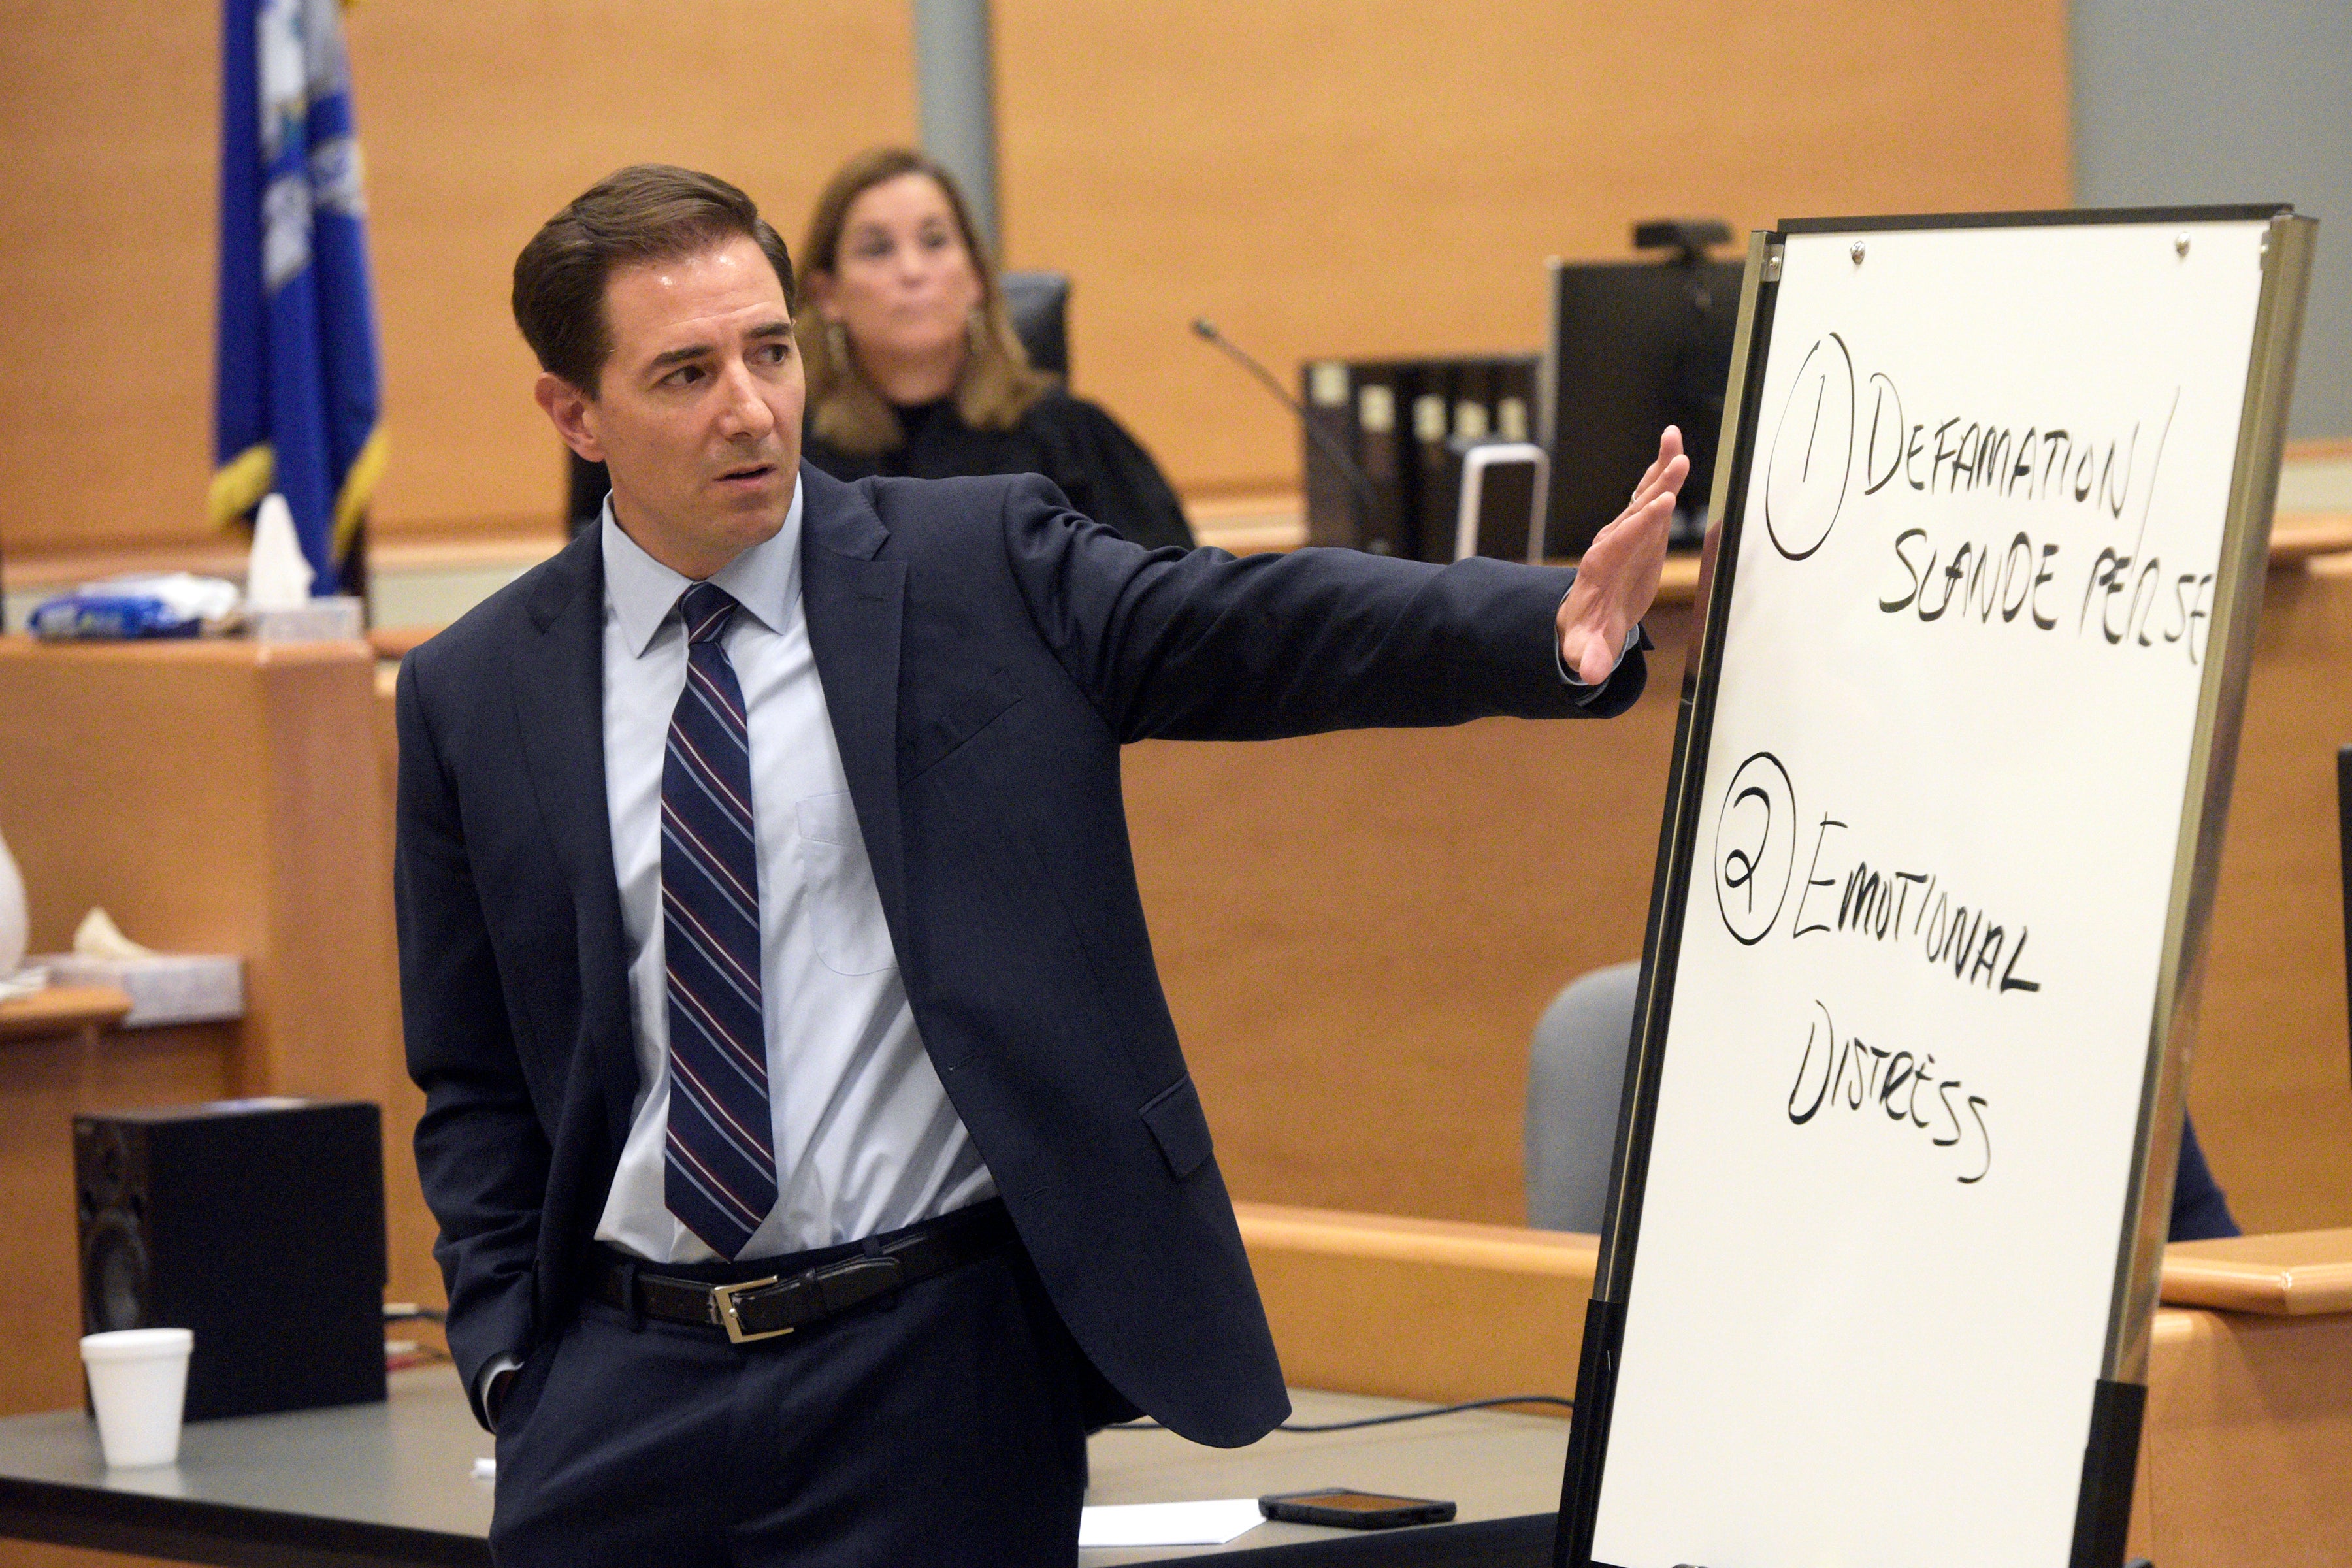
(1943, 794)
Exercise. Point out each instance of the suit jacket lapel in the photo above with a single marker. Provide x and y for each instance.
(559, 706)
(854, 603)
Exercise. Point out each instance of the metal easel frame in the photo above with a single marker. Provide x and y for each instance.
(2103, 1510)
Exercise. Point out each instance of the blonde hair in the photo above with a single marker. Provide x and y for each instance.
(846, 412)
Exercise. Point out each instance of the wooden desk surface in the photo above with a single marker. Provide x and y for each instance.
(2291, 1275)
(2300, 535)
(398, 642)
(198, 652)
(61, 1010)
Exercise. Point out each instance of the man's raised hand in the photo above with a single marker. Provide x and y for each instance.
(1618, 576)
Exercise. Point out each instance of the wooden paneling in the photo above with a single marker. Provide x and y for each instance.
(215, 797)
(33, 1555)
(1358, 933)
(108, 132)
(2271, 1079)
(477, 122)
(2293, 1275)
(2242, 1453)
(108, 799)
(481, 120)
(1418, 1309)
(1334, 177)
(1322, 177)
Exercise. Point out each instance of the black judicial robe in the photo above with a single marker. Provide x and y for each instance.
(1105, 472)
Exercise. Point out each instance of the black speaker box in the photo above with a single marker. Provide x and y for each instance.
(257, 1224)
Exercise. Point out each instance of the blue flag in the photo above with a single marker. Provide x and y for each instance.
(295, 386)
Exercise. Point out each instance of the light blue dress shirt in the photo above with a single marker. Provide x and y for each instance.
(866, 1139)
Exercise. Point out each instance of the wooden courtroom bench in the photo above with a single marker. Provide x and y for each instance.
(214, 796)
(2244, 1457)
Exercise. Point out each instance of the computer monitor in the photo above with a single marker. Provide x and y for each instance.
(1635, 346)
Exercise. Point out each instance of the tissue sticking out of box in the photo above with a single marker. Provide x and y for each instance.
(276, 577)
(278, 602)
(98, 936)
(163, 987)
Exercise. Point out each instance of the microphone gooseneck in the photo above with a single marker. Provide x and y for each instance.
(1357, 480)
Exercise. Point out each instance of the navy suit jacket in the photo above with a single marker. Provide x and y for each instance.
(985, 653)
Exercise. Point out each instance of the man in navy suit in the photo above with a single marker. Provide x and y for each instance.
(814, 1160)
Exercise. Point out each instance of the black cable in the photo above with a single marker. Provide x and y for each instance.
(1381, 1420)
(1350, 469)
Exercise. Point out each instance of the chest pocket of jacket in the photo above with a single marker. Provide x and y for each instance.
(941, 716)
(845, 908)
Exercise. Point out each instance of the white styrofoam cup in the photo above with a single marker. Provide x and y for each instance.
(138, 1380)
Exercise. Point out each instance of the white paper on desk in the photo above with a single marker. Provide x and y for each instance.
(1209, 1523)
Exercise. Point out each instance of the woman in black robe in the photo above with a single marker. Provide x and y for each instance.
(914, 369)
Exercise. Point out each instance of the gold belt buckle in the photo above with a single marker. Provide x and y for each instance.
(722, 1297)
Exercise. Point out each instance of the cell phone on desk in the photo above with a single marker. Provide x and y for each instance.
(1353, 1509)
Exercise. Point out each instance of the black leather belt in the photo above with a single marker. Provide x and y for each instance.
(803, 1288)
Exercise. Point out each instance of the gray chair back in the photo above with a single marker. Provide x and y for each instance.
(1575, 1075)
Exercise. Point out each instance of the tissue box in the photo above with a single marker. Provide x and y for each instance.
(168, 988)
(321, 620)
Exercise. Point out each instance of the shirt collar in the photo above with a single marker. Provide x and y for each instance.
(641, 591)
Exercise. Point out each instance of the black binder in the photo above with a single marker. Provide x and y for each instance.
(1381, 440)
(1328, 388)
(1437, 477)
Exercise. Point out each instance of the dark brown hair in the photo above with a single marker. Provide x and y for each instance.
(646, 212)
(998, 383)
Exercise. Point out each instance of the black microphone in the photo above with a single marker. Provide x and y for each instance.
(1368, 501)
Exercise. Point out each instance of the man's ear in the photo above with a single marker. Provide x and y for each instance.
(573, 413)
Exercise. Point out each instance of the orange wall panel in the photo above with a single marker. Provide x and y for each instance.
(477, 121)
(1322, 177)
(1325, 177)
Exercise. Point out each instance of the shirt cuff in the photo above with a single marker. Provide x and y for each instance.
(490, 1375)
(1585, 694)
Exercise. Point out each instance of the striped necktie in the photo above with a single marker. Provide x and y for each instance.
(720, 1180)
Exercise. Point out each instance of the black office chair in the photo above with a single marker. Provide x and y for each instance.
(584, 490)
(1039, 304)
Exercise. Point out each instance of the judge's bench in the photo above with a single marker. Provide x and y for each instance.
(1356, 933)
